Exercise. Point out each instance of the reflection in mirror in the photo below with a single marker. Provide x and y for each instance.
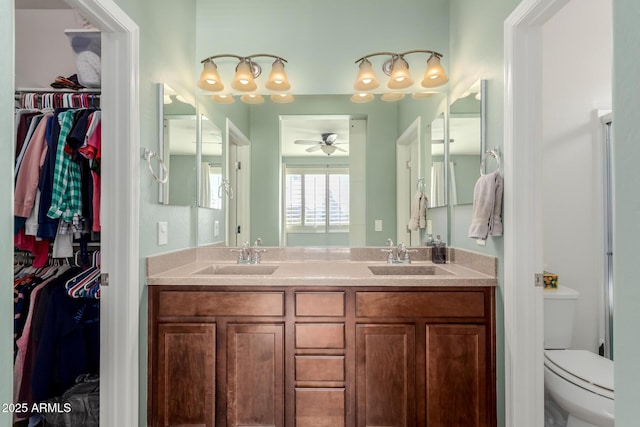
(210, 165)
(437, 188)
(369, 200)
(177, 148)
(317, 180)
(465, 145)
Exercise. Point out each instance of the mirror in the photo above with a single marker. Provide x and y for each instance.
(369, 200)
(465, 145)
(178, 147)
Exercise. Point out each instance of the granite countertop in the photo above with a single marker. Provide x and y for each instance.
(217, 266)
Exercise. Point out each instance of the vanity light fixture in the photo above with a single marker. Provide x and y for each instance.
(247, 70)
(397, 68)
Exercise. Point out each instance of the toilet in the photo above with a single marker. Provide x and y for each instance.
(578, 381)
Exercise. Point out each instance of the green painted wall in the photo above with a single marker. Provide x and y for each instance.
(6, 200)
(626, 104)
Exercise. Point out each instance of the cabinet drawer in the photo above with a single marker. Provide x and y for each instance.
(319, 368)
(320, 304)
(320, 335)
(211, 303)
(420, 304)
(320, 407)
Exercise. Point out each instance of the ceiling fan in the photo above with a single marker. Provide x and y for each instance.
(328, 144)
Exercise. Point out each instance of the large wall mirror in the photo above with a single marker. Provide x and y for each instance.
(268, 171)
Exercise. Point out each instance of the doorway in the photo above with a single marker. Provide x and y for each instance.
(119, 313)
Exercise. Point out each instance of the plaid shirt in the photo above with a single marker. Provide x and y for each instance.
(66, 200)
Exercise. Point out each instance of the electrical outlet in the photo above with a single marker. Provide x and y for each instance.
(216, 228)
(378, 225)
(481, 242)
(429, 227)
(163, 233)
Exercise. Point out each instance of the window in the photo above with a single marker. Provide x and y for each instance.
(317, 200)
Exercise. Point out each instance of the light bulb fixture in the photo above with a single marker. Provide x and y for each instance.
(246, 72)
(366, 79)
(397, 68)
(223, 98)
(278, 78)
(328, 149)
(252, 98)
(392, 96)
(209, 78)
(434, 76)
(282, 98)
(361, 98)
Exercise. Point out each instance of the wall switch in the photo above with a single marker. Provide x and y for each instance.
(216, 228)
(429, 227)
(481, 242)
(378, 225)
(163, 233)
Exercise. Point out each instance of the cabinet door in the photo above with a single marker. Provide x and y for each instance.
(385, 375)
(456, 373)
(186, 370)
(255, 375)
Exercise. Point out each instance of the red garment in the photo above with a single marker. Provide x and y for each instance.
(38, 248)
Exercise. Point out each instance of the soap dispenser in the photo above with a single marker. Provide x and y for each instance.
(439, 251)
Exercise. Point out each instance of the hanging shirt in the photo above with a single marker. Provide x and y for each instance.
(66, 198)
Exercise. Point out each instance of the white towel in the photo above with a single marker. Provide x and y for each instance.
(414, 221)
(423, 211)
(487, 206)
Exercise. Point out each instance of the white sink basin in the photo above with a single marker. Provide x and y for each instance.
(239, 269)
(406, 269)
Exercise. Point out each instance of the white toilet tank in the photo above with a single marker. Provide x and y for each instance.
(559, 310)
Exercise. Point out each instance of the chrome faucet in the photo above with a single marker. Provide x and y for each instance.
(399, 255)
(249, 255)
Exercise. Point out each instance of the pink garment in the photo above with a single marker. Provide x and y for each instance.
(95, 140)
(38, 248)
(29, 172)
(20, 392)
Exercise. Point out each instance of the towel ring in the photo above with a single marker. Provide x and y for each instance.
(493, 153)
(148, 154)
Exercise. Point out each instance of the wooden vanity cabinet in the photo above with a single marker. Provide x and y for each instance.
(321, 357)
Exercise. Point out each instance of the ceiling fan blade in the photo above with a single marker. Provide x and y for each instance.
(311, 149)
(306, 142)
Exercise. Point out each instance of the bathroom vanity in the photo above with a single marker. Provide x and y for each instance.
(321, 338)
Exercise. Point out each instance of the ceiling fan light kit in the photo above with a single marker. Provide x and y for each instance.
(246, 72)
(397, 68)
(328, 144)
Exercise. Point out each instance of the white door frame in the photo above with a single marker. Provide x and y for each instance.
(407, 150)
(238, 209)
(523, 319)
(119, 310)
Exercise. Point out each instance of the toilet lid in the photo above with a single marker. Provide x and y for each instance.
(584, 365)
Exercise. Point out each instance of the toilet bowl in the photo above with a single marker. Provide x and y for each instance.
(579, 381)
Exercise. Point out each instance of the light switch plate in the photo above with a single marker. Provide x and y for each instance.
(378, 225)
(216, 228)
(163, 233)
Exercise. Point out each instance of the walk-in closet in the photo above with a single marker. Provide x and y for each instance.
(57, 224)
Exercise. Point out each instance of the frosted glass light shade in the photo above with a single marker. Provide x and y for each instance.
(252, 98)
(392, 97)
(209, 78)
(223, 98)
(361, 98)
(366, 79)
(243, 80)
(278, 78)
(283, 98)
(400, 77)
(435, 75)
